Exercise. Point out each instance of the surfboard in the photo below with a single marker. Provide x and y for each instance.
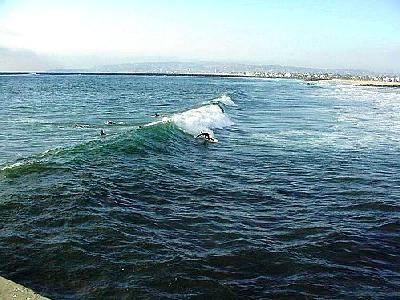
(214, 140)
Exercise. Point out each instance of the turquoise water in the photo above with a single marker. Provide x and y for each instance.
(298, 199)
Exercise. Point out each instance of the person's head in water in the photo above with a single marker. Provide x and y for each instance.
(102, 132)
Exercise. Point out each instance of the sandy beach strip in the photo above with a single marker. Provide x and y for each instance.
(367, 83)
(11, 290)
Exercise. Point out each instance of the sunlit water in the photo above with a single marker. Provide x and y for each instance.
(299, 198)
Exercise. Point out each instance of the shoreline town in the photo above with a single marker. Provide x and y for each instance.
(357, 80)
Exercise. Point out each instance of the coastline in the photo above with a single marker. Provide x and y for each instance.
(12, 290)
(354, 82)
(366, 83)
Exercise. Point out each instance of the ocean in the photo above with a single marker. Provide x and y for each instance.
(299, 199)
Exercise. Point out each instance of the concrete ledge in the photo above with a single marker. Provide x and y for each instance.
(12, 291)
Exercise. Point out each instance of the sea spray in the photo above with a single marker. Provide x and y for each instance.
(224, 99)
(205, 118)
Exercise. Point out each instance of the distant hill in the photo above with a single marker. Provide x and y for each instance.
(206, 67)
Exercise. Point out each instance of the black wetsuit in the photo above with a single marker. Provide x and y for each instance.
(206, 135)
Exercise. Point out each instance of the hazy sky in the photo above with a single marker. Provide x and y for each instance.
(38, 35)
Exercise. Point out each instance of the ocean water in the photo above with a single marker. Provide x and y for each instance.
(300, 198)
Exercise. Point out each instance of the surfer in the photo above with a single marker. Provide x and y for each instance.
(206, 136)
(102, 132)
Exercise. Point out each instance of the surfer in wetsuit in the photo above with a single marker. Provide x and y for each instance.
(206, 135)
(220, 106)
(102, 132)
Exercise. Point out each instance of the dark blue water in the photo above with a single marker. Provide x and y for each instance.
(300, 198)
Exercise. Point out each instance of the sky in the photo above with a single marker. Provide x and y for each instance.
(43, 34)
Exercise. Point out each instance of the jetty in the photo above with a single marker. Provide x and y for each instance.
(10, 290)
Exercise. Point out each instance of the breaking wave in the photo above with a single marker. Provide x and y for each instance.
(206, 118)
(224, 99)
(155, 136)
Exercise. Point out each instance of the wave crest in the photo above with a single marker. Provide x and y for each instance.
(205, 118)
(224, 99)
(155, 135)
(28, 167)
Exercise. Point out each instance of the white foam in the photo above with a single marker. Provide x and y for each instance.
(205, 118)
(12, 166)
(163, 120)
(224, 99)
